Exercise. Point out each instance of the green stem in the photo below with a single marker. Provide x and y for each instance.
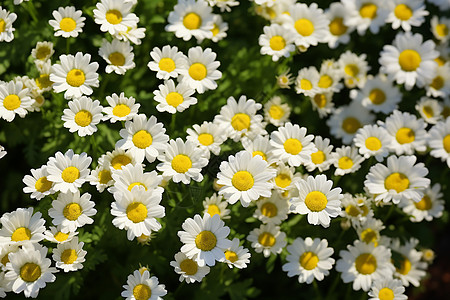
(172, 123)
(391, 210)
(68, 45)
(94, 145)
(29, 7)
(316, 288)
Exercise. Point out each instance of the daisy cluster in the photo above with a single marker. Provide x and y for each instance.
(254, 157)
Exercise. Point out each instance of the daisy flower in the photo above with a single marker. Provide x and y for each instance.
(145, 137)
(173, 98)
(429, 109)
(55, 235)
(120, 108)
(38, 184)
(346, 160)
(285, 177)
(82, 116)
(322, 103)
(199, 71)
(68, 171)
(68, 22)
(2, 151)
(284, 80)
(401, 179)
(317, 200)
(329, 78)
(76, 75)
(409, 269)
(29, 270)
(406, 13)
(363, 264)
(22, 226)
(440, 28)
(71, 211)
(141, 286)
(267, 239)
(6, 20)
(116, 159)
(354, 68)
(215, 205)
(365, 14)
(373, 140)
(205, 239)
(136, 212)
(409, 60)
(5, 250)
(430, 207)
(167, 62)
(224, 5)
(207, 137)
(387, 288)
(69, 256)
(129, 176)
(339, 33)
(277, 41)
(114, 16)
(356, 209)
(191, 18)
(219, 31)
(43, 51)
(260, 146)
(14, 99)
(118, 55)
(245, 177)
(369, 230)
(272, 210)
(276, 112)
(188, 268)
(321, 159)
(237, 256)
(307, 81)
(101, 178)
(43, 82)
(440, 85)
(439, 141)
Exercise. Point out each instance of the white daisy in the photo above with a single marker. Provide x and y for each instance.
(207, 137)
(366, 14)
(215, 205)
(101, 178)
(43, 51)
(369, 230)
(69, 256)
(329, 78)
(284, 80)
(430, 207)
(321, 159)
(285, 177)
(118, 55)
(429, 109)
(439, 141)
(237, 256)
(43, 82)
(82, 116)
(267, 239)
(120, 108)
(129, 176)
(354, 68)
(219, 31)
(133, 34)
(55, 235)
(116, 159)
(339, 33)
(272, 210)
(141, 286)
(406, 13)
(224, 5)
(114, 16)
(346, 160)
(373, 140)
(440, 28)
(6, 20)
(3, 152)
(440, 85)
(356, 209)
(22, 226)
(188, 268)
(276, 111)
(307, 81)
(5, 250)
(260, 146)
(173, 98)
(322, 103)
(167, 62)
(387, 288)
(14, 99)
(277, 41)
(409, 268)
(68, 22)
(38, 184)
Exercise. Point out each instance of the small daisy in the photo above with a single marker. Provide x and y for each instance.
(224, 5)
(69, 256)
(199, 71)
(272, 210)
(386, 288)
(5, 250)
(82, 116)
(215, 205)
(373, 140)
(260, 146)
(136, 211)
(401, 179)
(114, 16)
(430, 207)
(14, 99)
(409, 60)
(71, 211)
(245, 177)
(365, 14)
(43, 51)
(133, 34)
(21, 226)
(130, 176)
(329, 78)
(68, 22)
(173, 98)
(284, 80)
(267, 239)
(307, 81)
(6, 20)
(55, 235)
(141, 286)
(38, 184)
(188, 268)
(356, 209)
(369, 230)
(118, 55)
(346, 160)
(76, 75)
(116, 159)
(205, 239)
(440, 27)
(429, 109)
(219, 31)
(339, 33)
(145, 137)
(409, 269)
(439, 141)
(207, 137)
(406, 13)
(285, 177)
(354, 68)
(440, 85)
(276, 112)
(167, 62)
(120, 108)
(277, 41)
(322, 103)
(43, 82)
(321, 159)
(101, 178)
(237, 256)
(68, 171)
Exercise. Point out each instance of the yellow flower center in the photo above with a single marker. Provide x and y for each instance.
(409, 60)
(242, 180)
(42, 52)
(69, 256)
(277, 43)
(405, 135)
(205, 240)
(70, 174)
(373, 143)
(117, 59)
(83, 118)
(5, 259)
(72, 211)
(192, 21)
(316, 201)
(174, 99)
(30, 272)
(368, 10)
(205, 139)
(325, 81)
(320, 100)
(142, 139)
(283, 180)
(428, 111)
(215, 31)
(437, 83)
(240, 121)
(424, 203)
(120, 160)
(441, 30)
(131, 186)
(351, 125)
(67, 24)
(304, 27)
(446, 143)
(403, 12)
(396, 181)
(293, 146)
(386, 294)
(337, 27)
(352, 210)
(318, 157)
(345, 163)
(276, 112)
(75, 77)
(260, 153)
(369, 236)
(181, 163)
(166, 64)
(42, 184)
(2, 25)
(405, 266)
(61, 236)
(104, 176)
(305, 84)
(114, 16)
(366, 263)
(213, 210)
(198, 71)
(21, 234)
(377, 96)
(11, 102)
(440, 61)
(142, 292)
(121, 110)
(43, 81)
(266, 239)
(137, 212)
(308, 260)
(351, 70)
(189, 267)
(231, 256)
(269, 210)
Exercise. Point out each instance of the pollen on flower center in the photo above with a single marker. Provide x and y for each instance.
(70, 174)
(61, 236)
(337, 27)
(113, 16)
(198, 71)
(240, 121)
(368, 10)
(269, 210)
(437, 83)
(174, 99)
(30, 272)
(424, 203)
(369, 236)
(325, 81)
(43, 81)
(166, 64)
(293, 146)
(142, 292)
(192, 21)
(309, 260)
(137, 212)
(213, 210)
(386, 294)
(205, 139)
(119, 161)
(266, 239)
(83, 118)
(131, 186)
(304, 27)
(409, 60)
(345, 163)
(205, 240)
(104, 176)
(231, 256)
(441, 30)
(276, 112)
(67, 24)
(305, 84)
(69, 256)
(403, 12)
(181, 163)
(121, 110)
(260, 153)
(351, 125)
(242, 180)
(142, 139)
(366, 263)
(277, 43)
(2, 25)
(75, 77)
(428, 111)
(446, 143)
(117, 59)
(405, 266)
(11, 102)
(405, 135)
(373, 143)
(21, 234)
(320, 100)
(396, 181)
(43, 184)
(283, 180)
(352, 210)
(318, 157)
(189, 267)
(72, 211)
(215, 31)
(377, 96)
(316, 201)
(351, 70)
(42, 52)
